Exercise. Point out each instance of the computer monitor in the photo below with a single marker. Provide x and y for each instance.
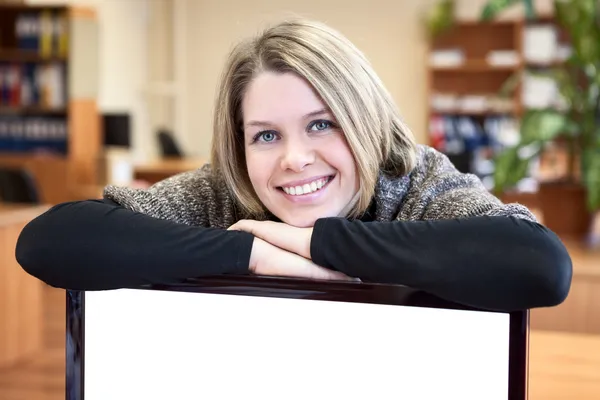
(116, 128)
(273, 338)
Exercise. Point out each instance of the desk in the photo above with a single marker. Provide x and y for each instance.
(20, 294)
(158, 170)
(564, 366)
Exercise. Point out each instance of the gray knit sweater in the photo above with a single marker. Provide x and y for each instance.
(433, 190)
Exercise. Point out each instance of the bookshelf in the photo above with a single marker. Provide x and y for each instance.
(468, 67)
(49, 121)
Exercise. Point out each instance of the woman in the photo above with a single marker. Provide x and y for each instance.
(313, 175)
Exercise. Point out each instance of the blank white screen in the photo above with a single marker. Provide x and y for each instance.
(142, 344)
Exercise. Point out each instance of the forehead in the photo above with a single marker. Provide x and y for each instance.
(277, 97)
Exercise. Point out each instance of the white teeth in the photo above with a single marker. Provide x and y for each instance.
(306, 188)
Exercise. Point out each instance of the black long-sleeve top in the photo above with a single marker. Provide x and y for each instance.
(501, 263)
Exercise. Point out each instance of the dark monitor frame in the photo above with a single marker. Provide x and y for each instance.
(298, 289)
(116, 129)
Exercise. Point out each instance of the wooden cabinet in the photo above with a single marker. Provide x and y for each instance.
(21, 319)
(581, 310)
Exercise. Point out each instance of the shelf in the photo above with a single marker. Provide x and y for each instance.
(23, 157)
(478, 66)
(30, 8)
(541, 19)
(494, 23)
(551, 64)
(32, 111)
(27, 56)
(482, 113)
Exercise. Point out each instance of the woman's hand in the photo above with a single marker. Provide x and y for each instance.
(267, 259)
(284, 236)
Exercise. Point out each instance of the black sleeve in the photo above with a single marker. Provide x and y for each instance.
(96, 245)
(496, 263)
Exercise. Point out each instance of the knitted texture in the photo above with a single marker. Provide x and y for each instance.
(433, 190)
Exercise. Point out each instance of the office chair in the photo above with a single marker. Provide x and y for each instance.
(18, 186)
(168, 145)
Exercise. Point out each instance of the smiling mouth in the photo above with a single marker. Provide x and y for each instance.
(307, 188)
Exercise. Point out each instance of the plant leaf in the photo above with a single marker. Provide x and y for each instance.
(565, 13)
(494, 7)
(510, 85)
(543, 126)
(510, 168)
(529, 9)
(579, 18)
(591, 176)
(565, 81)
(440, 18)
(537, 128)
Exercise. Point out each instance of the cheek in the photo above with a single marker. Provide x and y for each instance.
(340, 157)
(259, 171)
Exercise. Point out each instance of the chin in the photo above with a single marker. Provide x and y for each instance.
(300, 222)
(304, 220)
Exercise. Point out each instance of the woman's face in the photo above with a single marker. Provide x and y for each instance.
(298, 159)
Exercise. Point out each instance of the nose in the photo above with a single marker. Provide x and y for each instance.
(297, 155)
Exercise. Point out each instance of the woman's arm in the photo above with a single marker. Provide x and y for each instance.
(96, 245)
(500, 263)
(454, 239)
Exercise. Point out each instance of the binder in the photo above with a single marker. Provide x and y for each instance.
(46, 30)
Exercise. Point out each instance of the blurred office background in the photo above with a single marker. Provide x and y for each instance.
(121, 91)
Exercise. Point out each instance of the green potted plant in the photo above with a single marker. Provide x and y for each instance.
(567, 203)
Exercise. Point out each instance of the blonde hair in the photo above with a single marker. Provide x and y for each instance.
(378, 138)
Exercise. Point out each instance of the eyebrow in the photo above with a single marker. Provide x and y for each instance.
(309, 115)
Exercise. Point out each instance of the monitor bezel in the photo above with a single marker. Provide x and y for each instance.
(298, 289)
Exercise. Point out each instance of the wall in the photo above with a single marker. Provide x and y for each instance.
(161, 93)
(123, 64)
(136, 46)
(388, 32)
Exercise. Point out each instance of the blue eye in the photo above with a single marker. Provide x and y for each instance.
(265, 136)
(268, 136)
(321, 125)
